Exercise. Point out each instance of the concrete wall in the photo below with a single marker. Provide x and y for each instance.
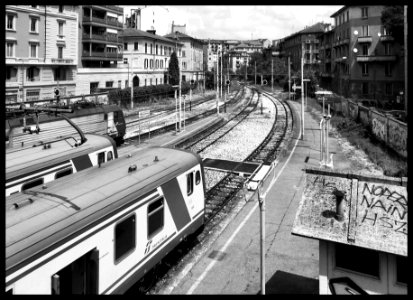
(384, 127)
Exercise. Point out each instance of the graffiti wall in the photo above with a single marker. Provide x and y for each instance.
(379, 126)
(397, 138)
(364, 115)
(353, 110)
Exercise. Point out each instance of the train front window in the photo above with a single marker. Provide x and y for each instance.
(155, 217)
(197, 177)
(101, 158)
(189, 183)
(125, 237)
(33, 183)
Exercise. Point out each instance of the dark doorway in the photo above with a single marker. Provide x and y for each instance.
(135, 81)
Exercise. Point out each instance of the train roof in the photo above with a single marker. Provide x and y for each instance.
(26, 160)
(47, 218)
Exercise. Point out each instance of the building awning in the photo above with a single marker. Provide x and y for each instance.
(374, 210)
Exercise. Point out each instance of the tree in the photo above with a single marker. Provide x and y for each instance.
(173, 70)
(392, 17)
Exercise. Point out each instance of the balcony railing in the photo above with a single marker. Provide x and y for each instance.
(105, 21)
(386, 38)
(62, 60)
(370, 58)
(364, 39)
(102, 54)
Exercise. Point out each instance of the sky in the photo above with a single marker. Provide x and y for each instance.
(238, 22)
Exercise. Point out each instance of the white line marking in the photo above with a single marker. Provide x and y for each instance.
(199, 280)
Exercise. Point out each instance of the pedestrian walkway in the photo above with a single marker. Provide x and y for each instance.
(231, 264)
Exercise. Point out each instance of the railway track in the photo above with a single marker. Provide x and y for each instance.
(219, 199)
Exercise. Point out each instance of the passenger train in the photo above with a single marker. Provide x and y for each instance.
(91, 118)
(100, 230)
(27, 167)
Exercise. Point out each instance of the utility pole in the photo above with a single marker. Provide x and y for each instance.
(289, 78)
(255, 72)
(222, 54)
(246, 67)
(302, 90)
(131, 90)
(272, 74)
(405, 61)
(180, 96)
(217, 85)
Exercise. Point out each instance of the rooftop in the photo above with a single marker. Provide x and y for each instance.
(374, 210)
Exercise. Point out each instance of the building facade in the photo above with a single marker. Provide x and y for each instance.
(366, 60)
(146, 56)
(41, 51)
(100, 47)
(192, 55)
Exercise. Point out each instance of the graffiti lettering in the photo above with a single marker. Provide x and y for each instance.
(384, 207)
(398, 137)
(379, 129)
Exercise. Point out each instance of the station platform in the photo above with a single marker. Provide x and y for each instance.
(230, 263)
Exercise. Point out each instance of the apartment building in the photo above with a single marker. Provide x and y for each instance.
(307, 41)
(41, 51)
(147, 55)
(366, 62)
(100, 47)
(192, 66)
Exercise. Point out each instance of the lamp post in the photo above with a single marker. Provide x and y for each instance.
(289, 78)
(302, 90)
(131, 82)
(272, 75)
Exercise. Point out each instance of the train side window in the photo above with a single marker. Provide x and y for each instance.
(101, 157)
(197, 177)
(33, 183)
(189, 183)
(155, 217)
(110, 155)
(63, 173)
(125, 237)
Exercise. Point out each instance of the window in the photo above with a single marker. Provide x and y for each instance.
(11, 73)
(125, 237)
(136, 46)
(63, 173)
(386, 31)
(101, 156)
(161, 63)
(151, 49)
(145, 81)
(10, 49)
(109, 83)
(10, 22)
(387, 49)
(357, 259)
(155, 217)
(61, 8)
(189, 183)
(157, 64)
(389, 89)
(60, 29)
(33, 74)
(365, 30)
(348, 16)
(156, 49)
(146, 48)
(146, 63)
(364, 12)
(401, 269)
(59, 52)
(160, 80)
(34, 25)
(151, 63)
(197, 177)
(365, 49)
(365, 88)
(93, 87)
(183, 53)
(119, 83)
(125, 46)
(156, 81)
(388, 69)
(125, 60)
(126, 83)
(32, 184)
(364, 69)
(33, 50)
(32, 95)
(150, 81)
(110, 155)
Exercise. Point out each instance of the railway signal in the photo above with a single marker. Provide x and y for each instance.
(57, 94)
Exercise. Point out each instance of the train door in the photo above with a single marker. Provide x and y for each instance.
(79, 277)
(111, 124)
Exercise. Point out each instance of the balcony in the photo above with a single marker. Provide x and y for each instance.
(365, 39)
(100, 55)
(106, 37)
(386, 38)
(371, 58)
(87, 20)
(63, 61)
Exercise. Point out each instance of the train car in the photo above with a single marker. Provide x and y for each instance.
(27, 167)
(91, 118)
(98, 231)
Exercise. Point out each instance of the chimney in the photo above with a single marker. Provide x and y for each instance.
(151, 31)
(138, 19)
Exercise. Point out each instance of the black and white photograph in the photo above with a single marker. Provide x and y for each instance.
(206, 149)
